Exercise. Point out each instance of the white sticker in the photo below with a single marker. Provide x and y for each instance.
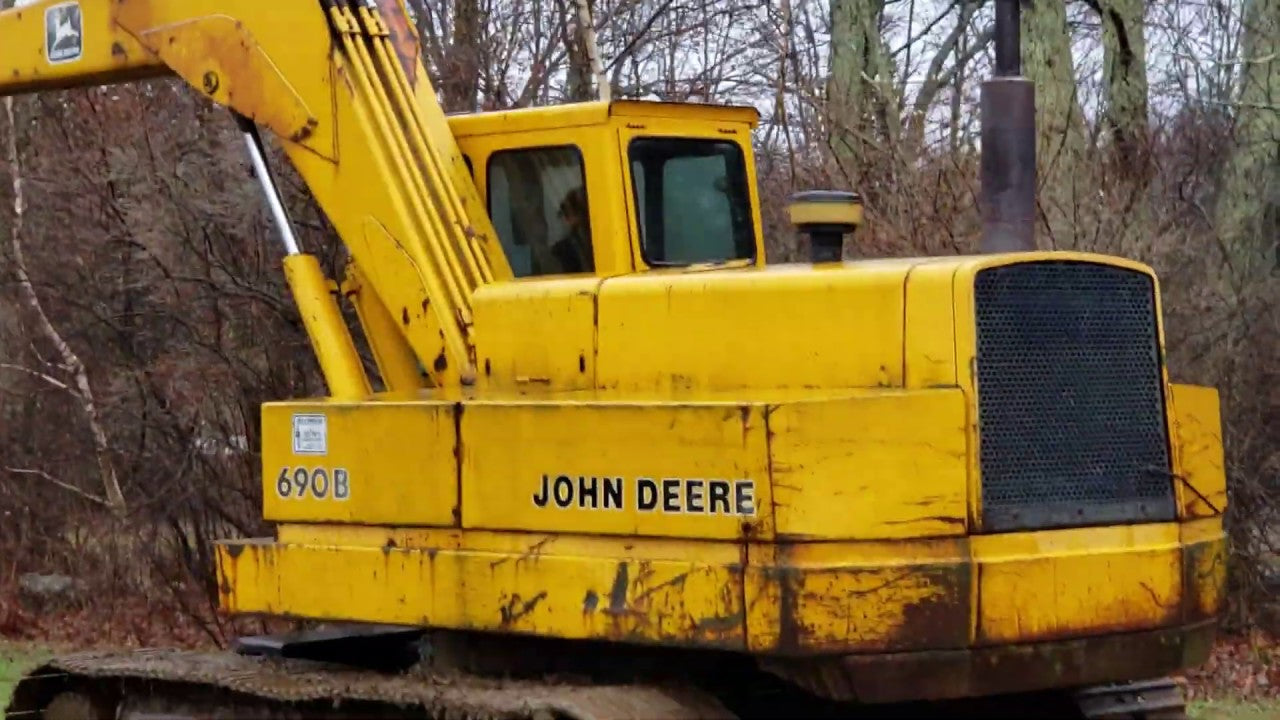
(310, 435)
(63, 33)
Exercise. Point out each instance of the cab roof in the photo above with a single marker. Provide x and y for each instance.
(595, 113)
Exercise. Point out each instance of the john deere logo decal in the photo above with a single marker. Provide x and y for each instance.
(63, 39)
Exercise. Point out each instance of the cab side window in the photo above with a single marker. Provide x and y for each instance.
(538, 203)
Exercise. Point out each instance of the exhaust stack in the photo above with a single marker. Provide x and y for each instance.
(1008, 142)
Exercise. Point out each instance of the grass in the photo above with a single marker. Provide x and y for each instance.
(14, 661)
(1234, 710)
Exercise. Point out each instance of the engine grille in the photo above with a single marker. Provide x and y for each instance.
(1070, 402)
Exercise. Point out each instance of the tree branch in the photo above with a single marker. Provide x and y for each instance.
(64, 485)
(84, 391)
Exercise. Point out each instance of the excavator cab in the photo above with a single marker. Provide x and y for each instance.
(612, 188)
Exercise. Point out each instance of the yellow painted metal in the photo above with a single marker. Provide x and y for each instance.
(219, 55)
(825, 213)
(330, 338)
(867, 467)
(786, 327)
(929, 342)
(595, 114)
(108, 53)
(803, 598)
(538, 336)
(397, 364)
(644, 121)
(1198, 433)
(395, 460)
(606, 204)
(853, 597)
(362, 128)
(1204, 567)
(1040, 586)
(442, 275)
(671, 470)
(845, 397)
(558, 585)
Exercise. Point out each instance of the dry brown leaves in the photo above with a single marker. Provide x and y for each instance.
(1242, 666)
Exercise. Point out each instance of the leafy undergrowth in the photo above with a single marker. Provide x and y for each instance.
(107, 620)
(1244, 667)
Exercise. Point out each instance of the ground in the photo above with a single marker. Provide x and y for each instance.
(1226, 709)
(1216, 701)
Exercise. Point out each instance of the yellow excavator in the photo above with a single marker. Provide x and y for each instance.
(603, 461)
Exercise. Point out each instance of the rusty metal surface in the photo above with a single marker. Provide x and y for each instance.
(1146, 700)
(1204, 570)
(435, 694)
(941, 675)
(876, 609)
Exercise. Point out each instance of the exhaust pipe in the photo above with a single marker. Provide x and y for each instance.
(1008, 198)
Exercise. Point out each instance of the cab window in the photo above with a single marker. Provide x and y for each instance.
(538, 203)
(692, 201)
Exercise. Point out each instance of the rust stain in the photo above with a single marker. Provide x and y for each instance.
(1203, 577)
(720, 624)
(943, 519)
(118, 51)
(788, 617)
(515, 609)
(863, 610)
(618, 593)
(305, 131)
(677, 581)
(940, 620)
(997, 670)
(590, 602)
(403, 37)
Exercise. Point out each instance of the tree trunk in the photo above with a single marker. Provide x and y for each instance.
(860, 97)
(70, 363)
(460, 76)
(1064, 196)
(1125, 79)
(578, 88)
(1251, 181)
(1126, 223)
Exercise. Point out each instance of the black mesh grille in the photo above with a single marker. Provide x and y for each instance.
(1070, 401)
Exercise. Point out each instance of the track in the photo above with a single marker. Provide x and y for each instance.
(146, 683)
(183, 685)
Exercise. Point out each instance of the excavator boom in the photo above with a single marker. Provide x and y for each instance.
(342, 88)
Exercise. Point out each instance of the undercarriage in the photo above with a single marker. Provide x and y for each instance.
(393, 672)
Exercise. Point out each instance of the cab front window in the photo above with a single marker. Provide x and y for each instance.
(692, 201)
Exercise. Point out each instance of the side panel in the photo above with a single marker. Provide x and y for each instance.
(929, 355)
(1065, 583)
(387, 463)
(694, 471)
(884, 466)
(787, 328)
(1197, 428)
(832, 597)
(537, 337)
(676, 593)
